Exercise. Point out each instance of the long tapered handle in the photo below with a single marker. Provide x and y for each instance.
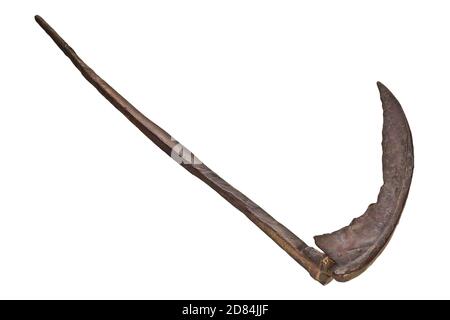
(314, 261)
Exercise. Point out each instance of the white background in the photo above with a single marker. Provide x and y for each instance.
(278, 97)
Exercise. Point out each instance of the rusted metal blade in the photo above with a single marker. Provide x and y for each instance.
(356, 246)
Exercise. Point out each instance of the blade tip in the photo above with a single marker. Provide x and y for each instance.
(381, 86)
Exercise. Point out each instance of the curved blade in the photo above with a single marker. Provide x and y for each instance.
(355, 247)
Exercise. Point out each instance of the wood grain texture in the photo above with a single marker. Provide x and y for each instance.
(315, 262)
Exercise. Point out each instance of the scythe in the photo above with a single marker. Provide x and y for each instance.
(346, 252)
